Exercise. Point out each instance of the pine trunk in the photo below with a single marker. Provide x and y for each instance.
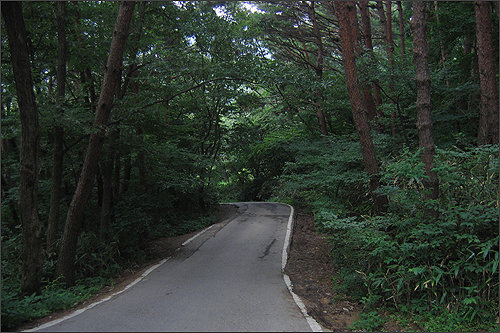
(32, 227)
(401, 29)
(488, 114)
(423, 82)
(57, 167)
(358, 108)
(319, 72)
(374, 102)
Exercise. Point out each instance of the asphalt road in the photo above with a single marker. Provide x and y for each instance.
(228, 278)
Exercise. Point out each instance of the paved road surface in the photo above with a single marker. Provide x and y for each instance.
(229, 278)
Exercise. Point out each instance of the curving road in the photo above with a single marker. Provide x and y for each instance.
(227, 278)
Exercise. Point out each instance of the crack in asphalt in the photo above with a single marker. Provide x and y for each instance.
(267, 249)
(184, 251)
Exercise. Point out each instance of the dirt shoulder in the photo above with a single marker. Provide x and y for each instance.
(311, 271)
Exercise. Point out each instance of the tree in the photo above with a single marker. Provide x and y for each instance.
(319, 69)
(297, 36)
(367, 35)
(112, 160)
(386, 22)
(57, 168)
(401, 29)
(33, 229)
(444, 56)
(66, 261)
(342, 10)
(423, 82)
(488, 112)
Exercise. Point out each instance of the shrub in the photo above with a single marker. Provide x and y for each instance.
(17, 309)
(328, 175)
(410, 261)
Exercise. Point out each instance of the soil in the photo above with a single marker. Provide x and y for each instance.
(311, 271)
(309, 267)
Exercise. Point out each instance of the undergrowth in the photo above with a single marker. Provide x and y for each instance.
(441, 270)
(17, 310)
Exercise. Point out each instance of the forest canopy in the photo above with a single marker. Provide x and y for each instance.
(124, 122)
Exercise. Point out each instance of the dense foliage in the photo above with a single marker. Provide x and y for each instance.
(220, 102)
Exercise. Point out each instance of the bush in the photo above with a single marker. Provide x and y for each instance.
(17, 309)
(408, 260)
(327, 175)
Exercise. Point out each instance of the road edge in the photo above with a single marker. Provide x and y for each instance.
(143, 275)
(313, 324)
(80, 311)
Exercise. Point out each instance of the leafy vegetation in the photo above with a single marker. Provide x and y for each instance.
(220, 103)
(412, 262)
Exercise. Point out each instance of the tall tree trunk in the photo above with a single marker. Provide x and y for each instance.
(423, 82)
(111, 169)
(390, 55)
(66, 261)
(353, 19)
(343, 9)
(127, 168)
(401, 29)
(367, 32)
(386, 22)
(488, 114)
(444, 56)
(85, 75)
(32, 227)
(57, 167)
(390, 41)
(466, 72)
(367, 36)
(367, 26)
(382, 18)
(319, 71)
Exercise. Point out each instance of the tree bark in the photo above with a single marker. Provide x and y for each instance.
(444, 56)
(401, 29)
(353, 19)
(86, 75)
(390, 55)
(390, 41)
(367, 33)
(367, 27)
(74, 219)
(367, 36)
(32, 227)
(488, 114)
(423, 83)
(57, 167)
(466, 72)
(358, 108)
(319, 71)
(127, 169)
(383, 20)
